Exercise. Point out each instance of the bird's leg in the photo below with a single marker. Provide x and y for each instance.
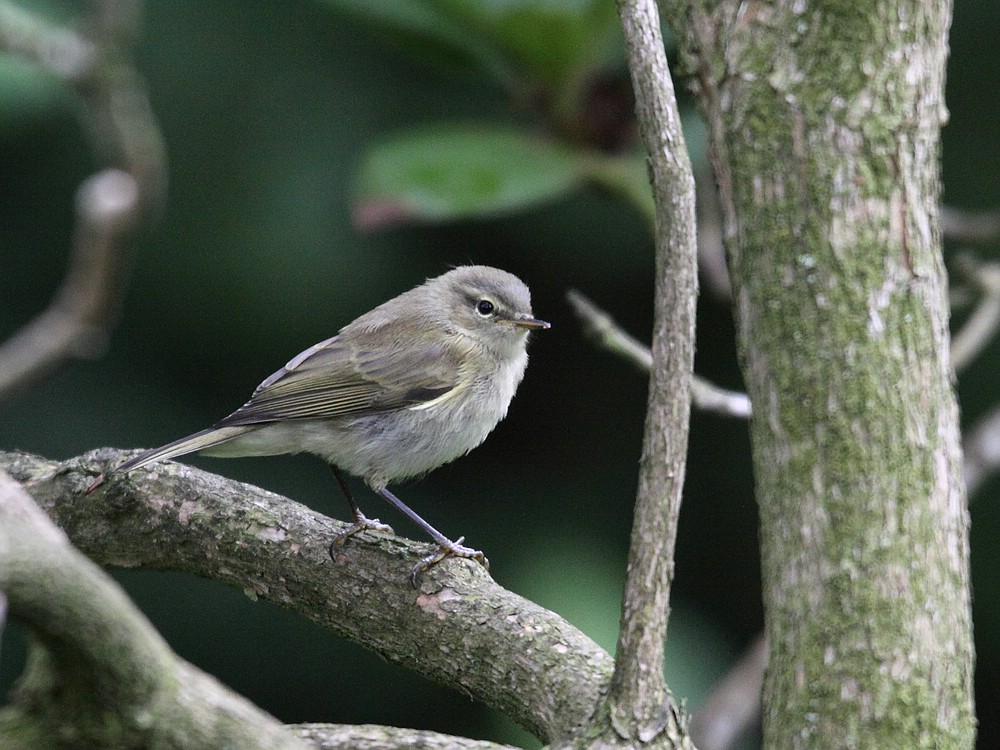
(446, 547)
(361, 521)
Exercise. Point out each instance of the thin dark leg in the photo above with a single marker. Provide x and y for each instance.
(361, 521)
(446, 547)
(355, 509)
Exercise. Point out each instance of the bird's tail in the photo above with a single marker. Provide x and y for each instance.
(199, 441)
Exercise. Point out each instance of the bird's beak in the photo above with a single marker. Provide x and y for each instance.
(532, 324)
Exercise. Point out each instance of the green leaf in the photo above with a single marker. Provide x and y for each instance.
(549, 43)
(460, 172)
(554, 41)
(429, 29)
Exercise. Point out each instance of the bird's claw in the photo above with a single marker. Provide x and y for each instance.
(445, 550)
(361, 523)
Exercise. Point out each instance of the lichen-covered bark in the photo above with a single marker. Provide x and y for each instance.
(825, 120)
(639, 708)
(97, 674)
(460, 628)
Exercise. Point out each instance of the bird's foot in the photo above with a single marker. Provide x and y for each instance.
(446, 549)
(361, 523)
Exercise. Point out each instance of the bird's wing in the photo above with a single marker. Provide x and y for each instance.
(342, 376)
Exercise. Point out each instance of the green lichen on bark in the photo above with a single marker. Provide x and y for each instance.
(825, 122)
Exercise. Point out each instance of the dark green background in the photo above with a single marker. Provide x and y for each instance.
(267, 109)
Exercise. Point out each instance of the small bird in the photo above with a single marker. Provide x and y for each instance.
(407, 387)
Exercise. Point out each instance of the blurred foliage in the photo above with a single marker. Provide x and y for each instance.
(541, 51)
(495, 132)
(449, 172)
(560, 64)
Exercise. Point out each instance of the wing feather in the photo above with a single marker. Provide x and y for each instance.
(340, 377)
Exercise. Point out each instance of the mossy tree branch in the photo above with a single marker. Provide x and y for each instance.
(825, 133)
(639, 708)
(524, 660)
(98, 674)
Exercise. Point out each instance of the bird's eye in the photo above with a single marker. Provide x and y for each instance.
(485, 308)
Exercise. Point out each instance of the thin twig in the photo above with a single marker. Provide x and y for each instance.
(606, 332)
(976, 227)
(76, 323)
(981, 452)
(638, 705)
(981, 326)
(3, 616)
(711, 250)
(709, 397)
(603, 329)
(734, 704)
(111, 205)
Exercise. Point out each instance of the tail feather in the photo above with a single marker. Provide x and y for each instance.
(190, 444)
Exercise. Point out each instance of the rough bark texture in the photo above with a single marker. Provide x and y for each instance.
(524, 660)
(640, 704)
(97, 673)
(825, 120)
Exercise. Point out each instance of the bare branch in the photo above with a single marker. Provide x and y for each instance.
(638, 705)
(981, 449)
(711, 250)
(77, 321)
(543, 672)
(981, 326)
(709, 397)
(734, 705)
(62, 52)
(99, 672)
(974, 227)
(370, 737)
(601, 327)
(111, 205)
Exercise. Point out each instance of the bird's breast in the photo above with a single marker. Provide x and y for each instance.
(390, 446)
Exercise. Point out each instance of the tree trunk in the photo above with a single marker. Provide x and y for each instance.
(825, 128)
